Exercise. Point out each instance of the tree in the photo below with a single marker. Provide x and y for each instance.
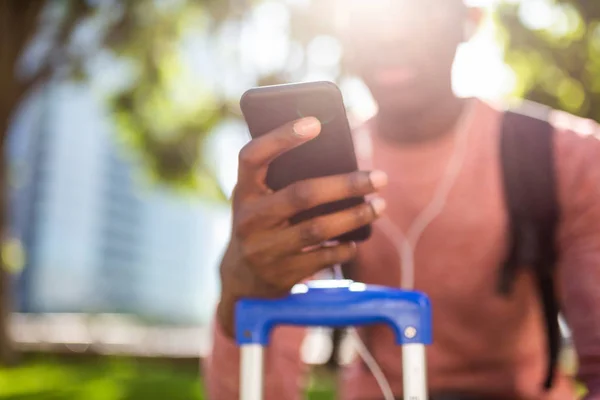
(556, 59)
(554, 48)
(18, 21)
(44, 41)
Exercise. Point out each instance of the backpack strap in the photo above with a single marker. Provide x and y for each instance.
(526, 150)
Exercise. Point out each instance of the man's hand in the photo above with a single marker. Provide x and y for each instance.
(266, 255)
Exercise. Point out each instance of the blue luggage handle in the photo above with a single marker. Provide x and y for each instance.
(337, 303)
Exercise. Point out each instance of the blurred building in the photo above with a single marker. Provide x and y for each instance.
(96, 240)
(182, 244)
(121, 248)
(60, 173)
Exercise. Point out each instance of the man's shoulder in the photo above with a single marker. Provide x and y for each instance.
(563, 122)
(577, 157)
(572, 133)
(568, 124)
(575, 136)
(576, 145)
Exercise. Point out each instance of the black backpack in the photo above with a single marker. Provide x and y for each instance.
(527, 156)
(529, 178)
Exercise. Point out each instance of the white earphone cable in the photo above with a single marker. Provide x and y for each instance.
(366, 355)
(405, 245)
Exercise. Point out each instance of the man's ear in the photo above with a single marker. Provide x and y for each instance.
(472, 22)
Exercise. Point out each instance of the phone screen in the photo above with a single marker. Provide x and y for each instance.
(331, 153)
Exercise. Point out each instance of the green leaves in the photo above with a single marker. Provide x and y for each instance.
(165, 110)
(554, 48)
(12, 255)
(168, 112)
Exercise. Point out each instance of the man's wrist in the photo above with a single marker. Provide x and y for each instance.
(226, 314)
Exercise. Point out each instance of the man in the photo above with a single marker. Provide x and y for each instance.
(430, 151)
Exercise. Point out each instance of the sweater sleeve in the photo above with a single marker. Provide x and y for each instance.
(284, 371)
(578, 170)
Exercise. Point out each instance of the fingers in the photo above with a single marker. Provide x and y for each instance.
(328, 227)
(311, 193)
(320, 259)
(327, 256)
(271, 211)
(255, 157)
(299, 267)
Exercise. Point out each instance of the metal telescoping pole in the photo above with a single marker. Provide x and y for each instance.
(414, 371)
(251, 385)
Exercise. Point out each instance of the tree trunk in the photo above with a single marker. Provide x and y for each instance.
(8, 355)
(18, 22)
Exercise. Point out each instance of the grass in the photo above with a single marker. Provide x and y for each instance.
(98, 379)
(113, 379)
(110, 378)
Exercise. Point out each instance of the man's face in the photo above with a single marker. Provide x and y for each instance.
(404, 49)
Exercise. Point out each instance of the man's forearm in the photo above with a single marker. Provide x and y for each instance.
(283, 365)
(225, 315)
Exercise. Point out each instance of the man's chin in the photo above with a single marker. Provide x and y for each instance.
(400, 102)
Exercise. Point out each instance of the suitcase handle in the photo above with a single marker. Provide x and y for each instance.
(337, 303)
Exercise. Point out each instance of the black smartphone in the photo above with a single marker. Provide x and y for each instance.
(331, 153)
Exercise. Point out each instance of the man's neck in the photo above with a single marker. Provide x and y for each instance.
(418, 127)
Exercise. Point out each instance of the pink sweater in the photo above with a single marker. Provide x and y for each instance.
(481, 340)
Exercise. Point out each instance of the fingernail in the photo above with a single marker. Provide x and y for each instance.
(307, 127)
(378, 205)
(378, 179)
